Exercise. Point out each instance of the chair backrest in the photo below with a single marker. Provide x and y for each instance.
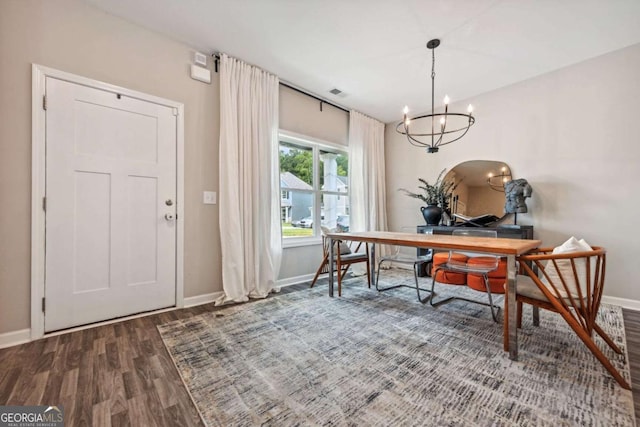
(345, 248)
(573, 280)
(475, 232)
(478, 232)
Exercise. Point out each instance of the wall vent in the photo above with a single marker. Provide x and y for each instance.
(335, 91)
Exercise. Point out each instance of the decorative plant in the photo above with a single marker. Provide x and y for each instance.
(437, 193)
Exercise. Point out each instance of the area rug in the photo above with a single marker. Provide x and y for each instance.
(384, 359)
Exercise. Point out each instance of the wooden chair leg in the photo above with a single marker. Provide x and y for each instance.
(586, 339)
(519, 314)
(536, 315)
(319, 271)
(344, 272)
(607, 339)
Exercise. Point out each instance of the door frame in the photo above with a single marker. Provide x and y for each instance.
(39, 74)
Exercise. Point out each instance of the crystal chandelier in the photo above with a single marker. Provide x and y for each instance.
(422, 131)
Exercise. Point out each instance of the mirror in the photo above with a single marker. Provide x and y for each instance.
(481, 188)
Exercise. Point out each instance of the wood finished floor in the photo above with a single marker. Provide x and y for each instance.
(121, 374)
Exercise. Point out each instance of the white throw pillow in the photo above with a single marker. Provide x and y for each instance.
(344, 249)
(566, 271)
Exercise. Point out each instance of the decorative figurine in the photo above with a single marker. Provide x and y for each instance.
(515, 192)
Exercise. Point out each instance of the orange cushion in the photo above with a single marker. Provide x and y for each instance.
(447, 276)
(501, 272)
(440, 257)
(476, 282)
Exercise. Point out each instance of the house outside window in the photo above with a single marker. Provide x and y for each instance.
(313, 184)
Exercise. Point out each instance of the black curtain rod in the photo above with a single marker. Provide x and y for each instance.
(216, 58)
(315, 97)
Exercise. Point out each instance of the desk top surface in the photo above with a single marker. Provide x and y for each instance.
(440, 241)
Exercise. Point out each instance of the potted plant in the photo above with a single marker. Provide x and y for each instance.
(436, 196)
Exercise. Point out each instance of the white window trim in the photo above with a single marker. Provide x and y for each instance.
(316, 145)
(296, 242)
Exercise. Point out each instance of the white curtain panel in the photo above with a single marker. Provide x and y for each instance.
(366, 175)
(250, 230)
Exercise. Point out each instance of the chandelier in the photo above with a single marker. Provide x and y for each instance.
(422, 131)
(497, 182)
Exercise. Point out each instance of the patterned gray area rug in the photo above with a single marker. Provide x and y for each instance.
(384, 359)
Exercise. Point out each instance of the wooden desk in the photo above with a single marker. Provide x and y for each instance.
(510, 248)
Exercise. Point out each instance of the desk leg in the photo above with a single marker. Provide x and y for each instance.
(331, 244)
(512, 333)
(372, 263)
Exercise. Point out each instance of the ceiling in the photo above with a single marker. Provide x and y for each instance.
(375, 50)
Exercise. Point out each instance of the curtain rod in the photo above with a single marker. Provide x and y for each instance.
(322, 100)
(216, 57)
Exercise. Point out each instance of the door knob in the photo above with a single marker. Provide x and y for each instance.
(169, 216)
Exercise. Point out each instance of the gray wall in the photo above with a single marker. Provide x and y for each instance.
(301, 114)
(572, 134)
(72, 36)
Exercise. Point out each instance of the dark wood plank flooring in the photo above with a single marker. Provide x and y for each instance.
(121, 374)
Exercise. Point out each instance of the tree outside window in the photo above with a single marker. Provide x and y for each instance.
(313, 184)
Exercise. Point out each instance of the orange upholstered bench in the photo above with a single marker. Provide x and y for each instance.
(497, 278)
(447, 276)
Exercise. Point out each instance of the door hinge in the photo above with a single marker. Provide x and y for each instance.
(44, 102)
(43, 305)
(175, 112)
(44, 204)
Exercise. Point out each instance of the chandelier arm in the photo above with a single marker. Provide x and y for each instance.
(413, 141)
(460, 129)
(438, 142)
(454, 140)
(443, 127)
(417, 142)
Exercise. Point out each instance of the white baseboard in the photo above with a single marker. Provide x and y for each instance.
(9, 339)
(295, 280)
(630, 304)
(202, 299)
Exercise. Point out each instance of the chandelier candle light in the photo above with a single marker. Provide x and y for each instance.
(497, 182)
(421, 131)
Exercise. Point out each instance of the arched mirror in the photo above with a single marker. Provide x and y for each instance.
(481, 188)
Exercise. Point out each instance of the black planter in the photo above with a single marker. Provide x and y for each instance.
(432, 214)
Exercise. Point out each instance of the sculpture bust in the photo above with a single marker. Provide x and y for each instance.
(515, 192)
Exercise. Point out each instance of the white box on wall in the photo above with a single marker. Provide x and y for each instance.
(200, 58)
(201, 74)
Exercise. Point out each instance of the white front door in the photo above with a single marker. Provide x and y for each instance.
(110, 205)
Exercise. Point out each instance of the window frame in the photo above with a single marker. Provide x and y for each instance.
(316, 145)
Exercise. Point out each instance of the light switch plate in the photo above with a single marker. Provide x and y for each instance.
(209, 198)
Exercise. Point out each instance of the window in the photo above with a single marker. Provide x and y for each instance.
(313, 177)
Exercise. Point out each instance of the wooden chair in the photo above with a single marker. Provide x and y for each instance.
(344, 257)
(570, 284)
